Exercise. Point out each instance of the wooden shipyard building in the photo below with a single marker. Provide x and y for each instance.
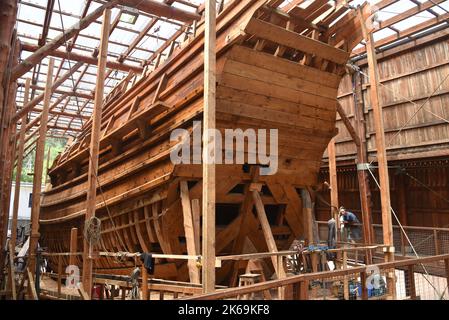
(232, 149)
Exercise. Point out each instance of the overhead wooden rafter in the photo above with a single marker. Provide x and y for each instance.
(158, 14)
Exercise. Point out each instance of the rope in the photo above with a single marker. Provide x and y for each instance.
(408, 240)
(92, 230)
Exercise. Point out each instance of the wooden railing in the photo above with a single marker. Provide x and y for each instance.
(426, 241)
(301, 286)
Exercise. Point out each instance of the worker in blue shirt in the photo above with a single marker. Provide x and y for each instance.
(351, 224)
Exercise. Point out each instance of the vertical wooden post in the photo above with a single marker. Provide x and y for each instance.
(94, 147)
(363, 279)
(362, 158)
(333, 183)
(38, 169)
(345, 278)
(410, 290)
(208, 270)
(304, 290)
(48, 164)
(59, 275)
(21, 146)
(436, 242)
(12, 273)
(387, 225)
(401, 186)
(9, 56)
(144, 283)
(307, 213)
(73, 246)
(446, 266)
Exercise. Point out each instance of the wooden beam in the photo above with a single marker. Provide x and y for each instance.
(63, 54)
(266, 229)
(47, 20)
(196, 213)
(194, 274)
(73, 246)
(410, 287)
(37, 56)
(63, 92)
(32, 285)
(38, 170)
(208, 269)
(348, 124)
(362, 158)
(295, 40)
(20, 153)
(29, 106)
(144, 288)
(12, 273)
(307, 216)
(333, 182)
(94, 148)
(376, 104)
(161, 10)
(9, 55)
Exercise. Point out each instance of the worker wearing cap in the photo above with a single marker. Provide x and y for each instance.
(351, 224)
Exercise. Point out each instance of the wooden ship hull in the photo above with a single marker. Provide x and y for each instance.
(274, 71)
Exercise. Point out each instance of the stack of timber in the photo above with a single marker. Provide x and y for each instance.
(276, 69)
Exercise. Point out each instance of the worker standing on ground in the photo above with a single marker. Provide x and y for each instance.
(351, 224)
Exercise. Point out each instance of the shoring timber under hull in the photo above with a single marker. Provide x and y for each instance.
(271, 74)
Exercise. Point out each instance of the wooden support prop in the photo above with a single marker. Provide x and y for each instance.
(32, 285)
(189, 232)
(333, 182)
(307, 215)
(208, 269)
(381, 150)
(144, 283)
(20, 154)
(73, 246)
(94, 148)
(83, 293)
(59, 275)
(362, 157)
(348, 124)
(38, 169)
(196, 212)
(12, 273)
(266, 229)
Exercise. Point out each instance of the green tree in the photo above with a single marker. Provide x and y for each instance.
(55, 145)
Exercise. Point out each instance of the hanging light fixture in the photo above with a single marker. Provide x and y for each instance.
(129, 15)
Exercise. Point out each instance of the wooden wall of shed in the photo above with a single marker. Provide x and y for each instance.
(422, 147)
(414, 76)
(421, 189)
